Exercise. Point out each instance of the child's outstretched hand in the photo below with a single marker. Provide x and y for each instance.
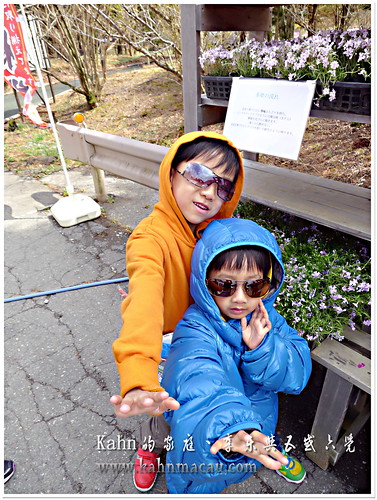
(258, 327)
(137, 401)
(254, 445)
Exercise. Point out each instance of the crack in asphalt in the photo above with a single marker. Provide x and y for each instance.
(110, 421)
(101, 246)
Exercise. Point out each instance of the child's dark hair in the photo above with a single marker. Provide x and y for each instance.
(208, 148)
(235, 259)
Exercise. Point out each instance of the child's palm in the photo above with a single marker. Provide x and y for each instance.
(258, 327)
(253, 445)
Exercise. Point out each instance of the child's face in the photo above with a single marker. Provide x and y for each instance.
(238, 305)
(197, 204)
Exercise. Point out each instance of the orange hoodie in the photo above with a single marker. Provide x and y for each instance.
(158, 257)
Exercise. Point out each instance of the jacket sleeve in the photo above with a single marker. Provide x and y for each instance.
(282, 362)
(137, 351)
(211, 395)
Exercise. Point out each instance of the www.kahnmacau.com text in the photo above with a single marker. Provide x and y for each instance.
(181, 468)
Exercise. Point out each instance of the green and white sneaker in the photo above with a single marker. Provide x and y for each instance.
(293, 472)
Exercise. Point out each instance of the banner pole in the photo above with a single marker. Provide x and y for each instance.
(69, 187)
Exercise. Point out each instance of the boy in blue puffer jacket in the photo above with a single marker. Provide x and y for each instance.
(231, 354)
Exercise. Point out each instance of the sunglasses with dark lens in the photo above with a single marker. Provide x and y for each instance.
(256, 289)
(202, 176)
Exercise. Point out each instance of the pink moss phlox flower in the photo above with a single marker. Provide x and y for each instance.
(364, 287)
(336, 296)
(338, 309)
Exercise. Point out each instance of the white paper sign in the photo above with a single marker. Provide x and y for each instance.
(268, 116)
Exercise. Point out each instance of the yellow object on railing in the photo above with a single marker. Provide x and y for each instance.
(79, 118)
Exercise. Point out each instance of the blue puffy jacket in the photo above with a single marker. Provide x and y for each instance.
(221, 386)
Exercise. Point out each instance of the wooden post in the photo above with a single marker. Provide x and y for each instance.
(191, 67)
(344, 405)
(207, 17)
(18, 104)
(51, 88)
(248, 155)
(329, 417)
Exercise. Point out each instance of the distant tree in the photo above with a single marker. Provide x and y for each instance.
(310, 18)
(303, 15)
(283, 22)
(347, 15)
(153, 30)
(72, 34)
(312, 21)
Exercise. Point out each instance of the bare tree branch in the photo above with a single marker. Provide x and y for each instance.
(134, 25)
(65, 28)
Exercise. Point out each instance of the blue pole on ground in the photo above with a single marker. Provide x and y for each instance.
(67, 289)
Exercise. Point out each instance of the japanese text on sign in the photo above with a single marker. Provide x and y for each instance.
(268, 116)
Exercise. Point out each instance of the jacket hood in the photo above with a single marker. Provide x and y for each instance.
(221, 235)
(167, 204)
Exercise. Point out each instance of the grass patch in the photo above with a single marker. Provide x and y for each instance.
(32, 151)
(35, 141)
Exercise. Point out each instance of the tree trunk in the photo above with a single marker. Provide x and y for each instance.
(312, 22)
(342, 13)
(284, 23)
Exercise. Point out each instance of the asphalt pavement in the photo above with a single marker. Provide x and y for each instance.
(59, 371)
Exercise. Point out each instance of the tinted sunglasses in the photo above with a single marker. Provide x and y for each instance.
(202, 176)
(256, 289)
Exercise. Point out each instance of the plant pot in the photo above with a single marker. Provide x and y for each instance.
(351, 97)
(217, 87)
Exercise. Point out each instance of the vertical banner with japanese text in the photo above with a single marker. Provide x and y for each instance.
(16, 66)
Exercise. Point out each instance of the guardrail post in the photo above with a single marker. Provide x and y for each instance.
(127, 158)
(99, 184)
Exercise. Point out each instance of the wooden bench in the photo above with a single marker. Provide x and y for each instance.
(344, 406)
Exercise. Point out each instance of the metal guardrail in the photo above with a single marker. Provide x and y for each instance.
(331, 203)
(127, 158)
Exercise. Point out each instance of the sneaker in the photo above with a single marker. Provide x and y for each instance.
(293, 472)
(9, 469)
(145, 470)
